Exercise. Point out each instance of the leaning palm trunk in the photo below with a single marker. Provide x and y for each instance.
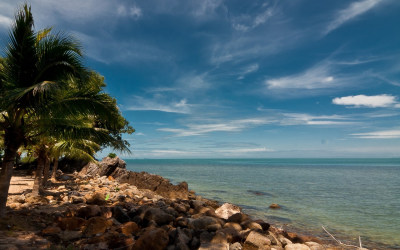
(12, 141)
(37, 184)
(55, 166)
(5, 177)
(46, 172)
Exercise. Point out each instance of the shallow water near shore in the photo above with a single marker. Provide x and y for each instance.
(350, 197)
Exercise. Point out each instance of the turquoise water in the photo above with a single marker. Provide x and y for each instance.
(350, 197)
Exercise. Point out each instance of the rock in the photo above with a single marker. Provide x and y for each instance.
(121, 242)
(71, 223)
(235, 246)
(129, 228)
(214, 246)
(77, 199)
(233, 225)
(104, 168)
(265, 226)
(219, 238)
(205, 223)
(51, 230)
(96, 225)
(158, 215)
(152, 238)
(314, 245)
(296, 246)
(70, 235)
(227, 210)
(238, 218)
(231, 234)
(251, 225)
(152, 182)
(66, 177)
(120, 215)
(256, 241)
(96, 199)
(284, 240)
(89, 211)
(37, 200)
(274, 206)
(20, 198)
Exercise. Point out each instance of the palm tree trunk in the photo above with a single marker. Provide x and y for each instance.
(5, 176)
(46, 171)
(37, 184)
(55, 166)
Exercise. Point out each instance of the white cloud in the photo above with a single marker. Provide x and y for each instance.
(142, 104)
(257, 21)
(249, 69)
(134, 11)
(353, 10)
(306, 119)
(229, 126)
(376, 101)
(383, 134)
(5, 22)
(317, 77)
(205, 8)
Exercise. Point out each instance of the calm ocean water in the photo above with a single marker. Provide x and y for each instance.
(350, 197)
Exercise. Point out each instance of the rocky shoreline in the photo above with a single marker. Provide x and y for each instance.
(105, 206)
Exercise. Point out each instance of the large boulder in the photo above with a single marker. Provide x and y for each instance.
(103, 168)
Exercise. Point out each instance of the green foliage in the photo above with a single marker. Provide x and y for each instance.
(112, 155)
(107, 197)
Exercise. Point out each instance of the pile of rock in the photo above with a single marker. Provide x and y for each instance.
(103, 213)
(116, 168)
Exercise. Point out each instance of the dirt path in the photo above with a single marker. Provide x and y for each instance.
(19, 184)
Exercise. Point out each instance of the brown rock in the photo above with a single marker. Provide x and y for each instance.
(70, 235)
(129, 228)
(274, 206)
(238, 218)
(110, 178)
(89, 211)
(71, 223)
(296, 246)
(152, 238)
(205, 223)
(96, 198)
(233, 225)
(227, 210)
(158, 215)
(314, 245)
(251, 225)
(257, 241)
(51, 230)
(96, 225)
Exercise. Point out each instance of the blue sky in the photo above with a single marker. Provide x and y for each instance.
(214, 78)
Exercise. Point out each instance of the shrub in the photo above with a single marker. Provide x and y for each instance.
(112, 155)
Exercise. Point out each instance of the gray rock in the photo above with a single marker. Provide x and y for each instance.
(227, 210)
(257, 241)
(235, 246)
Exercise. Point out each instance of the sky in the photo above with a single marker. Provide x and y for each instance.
(242, 79)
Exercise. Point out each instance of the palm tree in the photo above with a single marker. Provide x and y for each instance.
(34, 66)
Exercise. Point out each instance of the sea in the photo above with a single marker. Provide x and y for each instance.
(351, 198)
